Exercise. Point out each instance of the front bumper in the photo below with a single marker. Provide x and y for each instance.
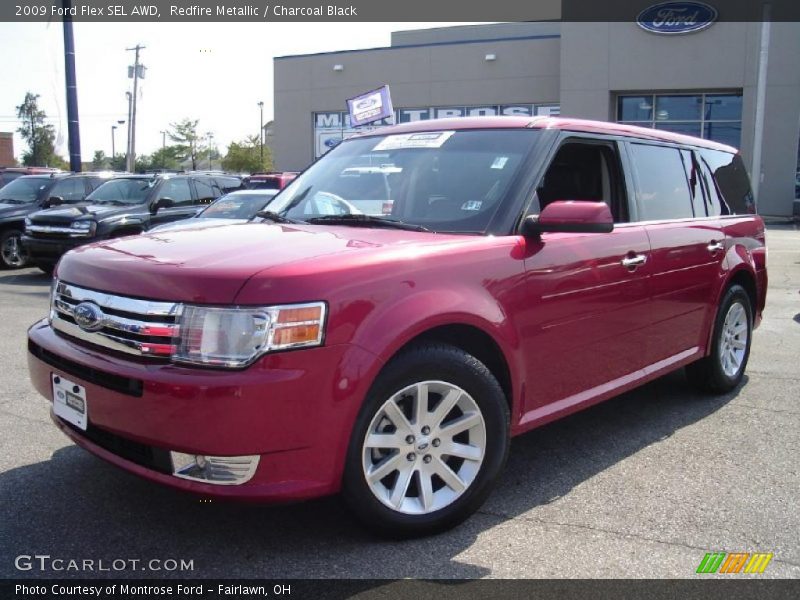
(293, 409)
(42, 250)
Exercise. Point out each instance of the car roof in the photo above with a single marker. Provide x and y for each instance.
(561, 123)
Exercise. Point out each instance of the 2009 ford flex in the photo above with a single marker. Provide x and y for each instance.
(410, 302)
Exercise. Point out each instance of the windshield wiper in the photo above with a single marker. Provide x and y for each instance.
(275, 217)
(365, 220)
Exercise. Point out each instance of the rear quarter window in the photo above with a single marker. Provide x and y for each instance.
(727, 183)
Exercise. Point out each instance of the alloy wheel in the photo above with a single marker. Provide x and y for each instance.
(13, 252)
(733, 343)
(424, 447)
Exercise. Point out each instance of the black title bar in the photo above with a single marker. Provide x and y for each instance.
(266, 11)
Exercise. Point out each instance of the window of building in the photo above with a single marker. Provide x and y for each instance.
(715, 116)
(662, 188)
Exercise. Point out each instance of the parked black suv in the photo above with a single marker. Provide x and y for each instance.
(125, 206)
(29, 193)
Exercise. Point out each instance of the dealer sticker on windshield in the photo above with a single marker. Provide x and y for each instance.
(431, 139)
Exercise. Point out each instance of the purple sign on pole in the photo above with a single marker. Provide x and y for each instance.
(370, 106)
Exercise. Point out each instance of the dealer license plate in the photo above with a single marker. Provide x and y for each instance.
(69, 401)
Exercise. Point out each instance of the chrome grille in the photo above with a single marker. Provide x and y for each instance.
(129, 325)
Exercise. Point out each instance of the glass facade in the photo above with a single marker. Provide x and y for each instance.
(716, 116)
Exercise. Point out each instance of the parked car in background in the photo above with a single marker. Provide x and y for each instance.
(530, 267)
(236, 207)
(9, 174)
(124, 206)
(29, 193)
(270, 181)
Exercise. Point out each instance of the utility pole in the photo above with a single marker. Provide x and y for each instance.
(72, 91)
(138, 71)
(163, 140)
(113, 150)
(261, 133)
(129, 96)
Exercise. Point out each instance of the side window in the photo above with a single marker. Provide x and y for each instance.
(662, 188)
(729, 181)
(70, 190)
(206, 192)
(229, 184)
(692, 171)
(177, 190)
(96, 182)
(585, 171)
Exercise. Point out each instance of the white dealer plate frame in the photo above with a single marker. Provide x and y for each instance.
(69, 401)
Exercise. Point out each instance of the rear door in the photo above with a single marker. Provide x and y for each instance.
(687, 249)
(585, 329)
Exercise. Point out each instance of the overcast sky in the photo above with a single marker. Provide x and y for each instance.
(213, 72)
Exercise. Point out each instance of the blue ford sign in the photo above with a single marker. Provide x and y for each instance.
(677, 17)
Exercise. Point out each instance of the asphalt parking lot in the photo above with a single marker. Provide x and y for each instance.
(640, 486)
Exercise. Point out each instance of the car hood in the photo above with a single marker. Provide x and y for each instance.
(211, 265)
(10, 211)
(70, 212)
(195, 224)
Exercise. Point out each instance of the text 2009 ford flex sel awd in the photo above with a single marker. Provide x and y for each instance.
(406, 305)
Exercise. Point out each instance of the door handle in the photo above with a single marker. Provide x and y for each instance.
(714, 246)
(631, 262)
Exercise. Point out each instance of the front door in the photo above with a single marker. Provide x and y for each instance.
(586, 329)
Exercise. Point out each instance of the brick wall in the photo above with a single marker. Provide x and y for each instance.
(7, 149)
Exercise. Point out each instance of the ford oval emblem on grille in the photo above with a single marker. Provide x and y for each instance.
(88, 316)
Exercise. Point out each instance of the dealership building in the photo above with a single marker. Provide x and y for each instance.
(737, 83)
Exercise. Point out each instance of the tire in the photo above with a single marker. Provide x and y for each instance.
(430, 502)
(722, 370)
(13, 254)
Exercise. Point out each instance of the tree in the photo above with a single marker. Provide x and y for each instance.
(187, 140)
(245, 157)
(39, 136)
(100, 160)
(119, 163)
(168, 157)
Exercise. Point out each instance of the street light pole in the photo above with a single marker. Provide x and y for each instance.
(261, 132)
(113, 150)
(163, 140)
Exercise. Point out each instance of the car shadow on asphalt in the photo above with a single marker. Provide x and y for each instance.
(31, 277)
(76, 506)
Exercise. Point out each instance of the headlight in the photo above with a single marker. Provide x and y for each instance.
(87, 226)
(235, 337)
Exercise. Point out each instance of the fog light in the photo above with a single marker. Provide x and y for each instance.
(219, 470)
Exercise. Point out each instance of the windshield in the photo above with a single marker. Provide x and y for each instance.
(122, 191)
(236, 206)
(24, 190)
(443, 180)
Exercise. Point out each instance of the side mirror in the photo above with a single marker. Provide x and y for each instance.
(53, 201)
(570, 216)
(162, 203)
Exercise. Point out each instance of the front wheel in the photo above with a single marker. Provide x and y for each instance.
(429, 443)
(13, 255)
(723, 369)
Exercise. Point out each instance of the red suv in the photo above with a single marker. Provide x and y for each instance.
(270, 181)
(505, 273)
